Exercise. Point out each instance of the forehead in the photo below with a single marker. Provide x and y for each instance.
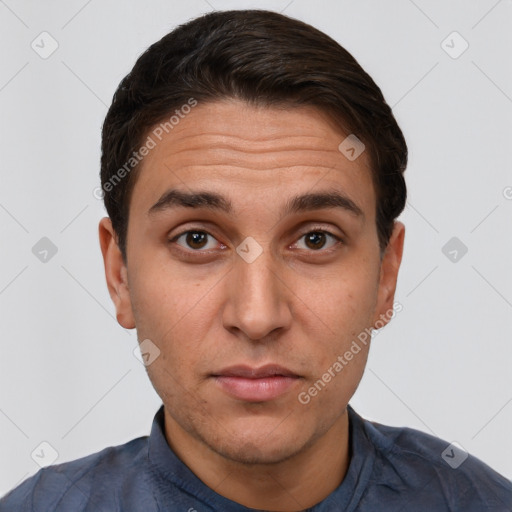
(238, 148)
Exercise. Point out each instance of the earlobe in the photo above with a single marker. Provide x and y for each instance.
(389, 275)
(116, 274)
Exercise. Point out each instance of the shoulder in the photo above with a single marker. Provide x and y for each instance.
(69, 486)
(411, 462)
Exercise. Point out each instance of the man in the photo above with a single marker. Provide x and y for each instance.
(253, 174)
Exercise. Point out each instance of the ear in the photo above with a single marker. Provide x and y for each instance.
(116, 274)
(389, 275)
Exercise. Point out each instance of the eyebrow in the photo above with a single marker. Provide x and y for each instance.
(213, 201)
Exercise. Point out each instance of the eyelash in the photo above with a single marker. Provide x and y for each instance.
(338, 240)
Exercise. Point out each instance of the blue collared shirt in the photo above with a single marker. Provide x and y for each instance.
(391, 469)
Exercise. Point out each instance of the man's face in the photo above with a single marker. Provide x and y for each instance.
(221, 307)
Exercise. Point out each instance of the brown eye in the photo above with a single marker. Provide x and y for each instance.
(315, 240)
(195, 240)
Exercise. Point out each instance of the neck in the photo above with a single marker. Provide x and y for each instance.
(294, 484)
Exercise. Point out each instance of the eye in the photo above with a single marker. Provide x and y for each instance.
(195, 239)
(317, 240)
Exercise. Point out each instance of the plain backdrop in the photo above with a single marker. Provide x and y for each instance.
(68, 374)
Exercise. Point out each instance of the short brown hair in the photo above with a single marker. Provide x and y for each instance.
(263, 58)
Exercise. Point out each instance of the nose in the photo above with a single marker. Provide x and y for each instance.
(258, 300)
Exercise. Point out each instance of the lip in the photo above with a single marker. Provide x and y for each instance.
(255, 384)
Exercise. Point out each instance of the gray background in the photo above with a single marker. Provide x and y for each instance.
(68, 375)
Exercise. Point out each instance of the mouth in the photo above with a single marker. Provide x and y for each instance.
(256, 384)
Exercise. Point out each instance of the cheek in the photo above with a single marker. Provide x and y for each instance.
(163, 299)
(342, 312)
(176, 314)
(343, 302)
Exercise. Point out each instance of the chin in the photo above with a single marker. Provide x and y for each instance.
(256, 452)
(259, 443)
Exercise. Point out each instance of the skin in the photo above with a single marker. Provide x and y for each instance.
(296, 305)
